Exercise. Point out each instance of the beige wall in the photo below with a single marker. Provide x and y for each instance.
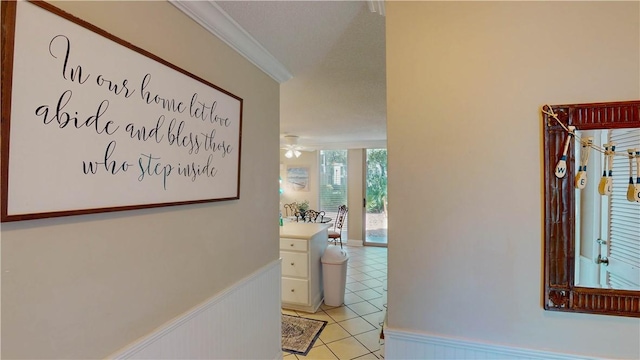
(466, 81)
(355, 215)
(85, 286)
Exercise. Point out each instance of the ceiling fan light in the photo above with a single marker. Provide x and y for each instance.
(296, 153)
(289, 154)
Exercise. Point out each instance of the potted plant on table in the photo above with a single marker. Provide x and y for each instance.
(302, 208)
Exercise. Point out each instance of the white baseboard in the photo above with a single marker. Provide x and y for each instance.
(352, 242)
(410, 345)
(242, 322)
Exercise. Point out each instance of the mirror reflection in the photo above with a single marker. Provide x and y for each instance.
(607, 200)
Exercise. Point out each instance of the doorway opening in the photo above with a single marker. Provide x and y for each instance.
(375, 202)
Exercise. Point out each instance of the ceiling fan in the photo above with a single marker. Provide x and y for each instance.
(292, 147)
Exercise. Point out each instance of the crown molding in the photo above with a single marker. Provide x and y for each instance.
(215, 20)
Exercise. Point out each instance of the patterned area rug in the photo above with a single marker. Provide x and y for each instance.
(299, 334)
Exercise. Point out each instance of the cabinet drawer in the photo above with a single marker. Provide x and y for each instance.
(295, 291)
(293, 244)
(294, 264)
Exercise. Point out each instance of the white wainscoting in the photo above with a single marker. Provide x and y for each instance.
(242, 322)
(409, 345)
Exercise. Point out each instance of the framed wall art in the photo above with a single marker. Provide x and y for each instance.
(298, 178)
(91, 123)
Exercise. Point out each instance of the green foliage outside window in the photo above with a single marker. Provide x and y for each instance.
(376, 180)
(333, 179)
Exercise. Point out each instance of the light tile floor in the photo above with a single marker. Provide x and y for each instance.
(353, 329)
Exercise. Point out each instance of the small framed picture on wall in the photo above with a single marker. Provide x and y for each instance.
(298, 178)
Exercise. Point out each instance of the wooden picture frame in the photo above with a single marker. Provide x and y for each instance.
(91, 123)
(560, 290)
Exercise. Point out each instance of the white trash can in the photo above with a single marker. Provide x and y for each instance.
(334, 275)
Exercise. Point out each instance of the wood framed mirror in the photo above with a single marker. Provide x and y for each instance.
(561, 291)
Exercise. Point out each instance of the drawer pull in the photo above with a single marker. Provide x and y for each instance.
(292, 290)
(291, 245)
(292, 264)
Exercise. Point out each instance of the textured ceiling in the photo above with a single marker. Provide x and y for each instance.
(335, 51)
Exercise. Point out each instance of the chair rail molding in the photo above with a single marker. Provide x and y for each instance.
(215, 20)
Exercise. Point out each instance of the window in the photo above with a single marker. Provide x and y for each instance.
(333, 181)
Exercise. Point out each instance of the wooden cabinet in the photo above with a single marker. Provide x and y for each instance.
(301, 248)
